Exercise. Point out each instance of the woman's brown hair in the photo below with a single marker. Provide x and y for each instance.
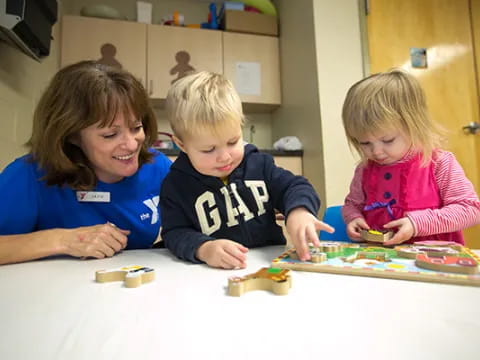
(78, 96)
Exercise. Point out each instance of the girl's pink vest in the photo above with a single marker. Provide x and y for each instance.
(393, 190)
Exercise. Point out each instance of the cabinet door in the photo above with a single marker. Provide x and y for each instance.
(174, 51)
(118, 43)
(291, 163)
(251, 62)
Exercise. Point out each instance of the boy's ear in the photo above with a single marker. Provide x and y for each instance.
(178, 142)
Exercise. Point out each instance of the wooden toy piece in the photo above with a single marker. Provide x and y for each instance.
(453, 264)
(329, 247)
(132, 275)
(411, 251)
(316, 255)
(368, 255)
(379, 236)
(437, 243)
(274, 279)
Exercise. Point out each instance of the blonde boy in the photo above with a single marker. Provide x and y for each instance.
(220, 196)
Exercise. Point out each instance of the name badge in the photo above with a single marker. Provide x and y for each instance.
(93, 196)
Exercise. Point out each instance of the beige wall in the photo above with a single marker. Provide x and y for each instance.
(22, 79)
(321, 57)
(339, 64)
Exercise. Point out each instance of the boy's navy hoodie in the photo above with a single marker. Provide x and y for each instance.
(196, 208)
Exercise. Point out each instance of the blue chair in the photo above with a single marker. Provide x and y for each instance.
(333, 217)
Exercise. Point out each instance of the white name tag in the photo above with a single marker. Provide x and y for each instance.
(93, 196)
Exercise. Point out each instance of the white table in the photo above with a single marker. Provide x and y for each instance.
(53, 309)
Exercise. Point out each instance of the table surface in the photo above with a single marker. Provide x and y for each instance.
(53, 309)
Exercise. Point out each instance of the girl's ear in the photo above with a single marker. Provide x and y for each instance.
(179, 143)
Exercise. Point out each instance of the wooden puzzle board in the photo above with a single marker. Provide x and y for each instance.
(398, 267)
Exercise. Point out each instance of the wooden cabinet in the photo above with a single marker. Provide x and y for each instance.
(121, 43)
(174, 51)
(158, 55)
(243, 56)
(291, 163)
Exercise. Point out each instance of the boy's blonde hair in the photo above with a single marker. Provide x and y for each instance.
(203, 101)
(390, 100)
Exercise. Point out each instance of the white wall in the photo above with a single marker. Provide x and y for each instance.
(339, 65)
(22, 80)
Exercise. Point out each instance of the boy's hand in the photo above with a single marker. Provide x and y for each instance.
(404, 233)
(303, 228)
(223, 253)
(355, 227)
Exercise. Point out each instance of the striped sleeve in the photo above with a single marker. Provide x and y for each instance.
(461, 206)
(355, 200)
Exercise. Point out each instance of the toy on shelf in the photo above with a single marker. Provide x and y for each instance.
(428, 261)
(379, 236)
(175, 19)
(212, 22)
(274, 279)
(132, 275)
(264, 6)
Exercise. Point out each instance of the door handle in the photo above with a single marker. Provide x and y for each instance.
(472, 128)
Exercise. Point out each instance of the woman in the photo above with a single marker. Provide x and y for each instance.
(89, 186)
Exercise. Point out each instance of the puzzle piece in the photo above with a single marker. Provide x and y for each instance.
(411, 251)
(276, 280)
(379, 236)
(368, 255)
(319, 254)
(453, 264)
(316, 255)
(132, 275)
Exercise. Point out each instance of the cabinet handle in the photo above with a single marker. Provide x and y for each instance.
(150, 87)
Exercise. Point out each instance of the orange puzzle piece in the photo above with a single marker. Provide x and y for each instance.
(274, 279)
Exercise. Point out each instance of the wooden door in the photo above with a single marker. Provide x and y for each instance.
(114, 42)
(174, 51)
(444, 29)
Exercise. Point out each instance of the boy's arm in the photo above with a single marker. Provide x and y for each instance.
(461, 206)
(178, 233)
(355, 200)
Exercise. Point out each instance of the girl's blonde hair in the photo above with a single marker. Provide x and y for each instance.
(203, 101)
(80, 95)
(391, 100)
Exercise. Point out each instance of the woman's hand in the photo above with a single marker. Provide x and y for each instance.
(355, 227)
(223, 253)
(97, 241)
(303, 229)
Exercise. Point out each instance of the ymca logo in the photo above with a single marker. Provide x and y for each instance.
(152, 204)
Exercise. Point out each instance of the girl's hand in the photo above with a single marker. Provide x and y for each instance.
(223, 253)
(404, 233)
(355, 227)
(303, 229)
(97, 241)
